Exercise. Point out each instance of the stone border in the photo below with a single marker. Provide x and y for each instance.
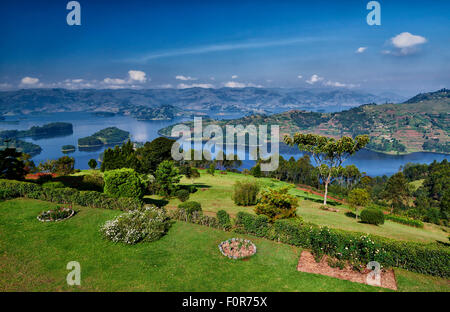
(236, 239)
(70, 216)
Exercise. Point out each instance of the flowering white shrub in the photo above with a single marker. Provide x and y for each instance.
(146, 224)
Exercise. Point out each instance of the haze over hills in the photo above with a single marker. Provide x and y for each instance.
(170, 103)
(422, 123)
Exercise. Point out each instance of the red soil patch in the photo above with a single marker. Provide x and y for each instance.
(309, 265)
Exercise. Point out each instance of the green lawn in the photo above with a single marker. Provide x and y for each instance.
(214, 193)
(33, 257)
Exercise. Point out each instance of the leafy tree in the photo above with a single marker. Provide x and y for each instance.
(212, 168)
(62, 166)
(167, 176)
(155, 152)
(256, 171)
(11, 165)
(277, 204)
(396, 190)
(124, 182)
(328, 153)
(92, 163)
(358, 198)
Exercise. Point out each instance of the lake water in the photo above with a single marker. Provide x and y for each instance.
(85, 124)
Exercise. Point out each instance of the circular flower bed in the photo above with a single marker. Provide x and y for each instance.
(58, 214)
(237, 248)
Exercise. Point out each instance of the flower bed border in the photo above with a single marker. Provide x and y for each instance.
(70, 216)
(237, 239)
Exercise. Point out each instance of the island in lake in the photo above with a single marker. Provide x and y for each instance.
(12, 138)
(68, 149)
(111, 135)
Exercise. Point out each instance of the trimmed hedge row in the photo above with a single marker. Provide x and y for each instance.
(358, 248)
(404, 220)
(12, 189)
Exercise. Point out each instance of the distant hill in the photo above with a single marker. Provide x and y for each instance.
(170, 103)
(419, 124)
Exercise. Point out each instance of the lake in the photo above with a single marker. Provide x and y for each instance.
(85, 124)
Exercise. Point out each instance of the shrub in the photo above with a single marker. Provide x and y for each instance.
(56, 184)
(256, 225)
(404, 220)
(277, 204)
(92, 163)
(94, 182)
(192, 189)
(190, 207)
(147, 224)
(224, 219)
(245, 193)
(13, 189)
(182, 195)
(372, 216)
(124, 182)
(167, 176)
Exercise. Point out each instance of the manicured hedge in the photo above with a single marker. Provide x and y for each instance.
(405, 220)
(372, 216)
(94, 199)
(359, 248)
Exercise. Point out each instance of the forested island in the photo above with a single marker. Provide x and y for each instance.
(68, 148)
(111, 135)
(22, 146)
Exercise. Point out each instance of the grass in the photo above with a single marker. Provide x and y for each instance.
(33, 257)
(214, 193)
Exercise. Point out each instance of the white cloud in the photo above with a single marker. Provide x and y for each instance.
(405, 44)
(407, 40)
(236, 84)
(361, 49)
(184, 78)
(314, 78)
(29, 81)
(114, 81)
(137, 75)
(299, 76)
(339, 84)
(195, 85)
(234, 77)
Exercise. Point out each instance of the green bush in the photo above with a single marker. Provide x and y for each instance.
(405, 220)
(245, 193)
(56, 184)
(224, 219)
(148, 224)
(372, 216)
(66, 195)
(93, 182)
(124, 182)
(256, 225)
(277, 204)
(196, 217)
(182, 195)
(190, 207)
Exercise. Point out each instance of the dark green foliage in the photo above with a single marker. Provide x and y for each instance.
(404, 220)
(166, 178)
(92, 163)
(396, 190)
(372, 216)
(182, 195)
(277, 204)
(212, 169)
(72, 196)
(224, 219)
(245, 193)
(256, 171)
(93, 182)
(124, 183)
(256, 225)
(11, 165)
(155, 152)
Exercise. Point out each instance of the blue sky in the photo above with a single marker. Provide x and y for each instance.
(180, 44)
